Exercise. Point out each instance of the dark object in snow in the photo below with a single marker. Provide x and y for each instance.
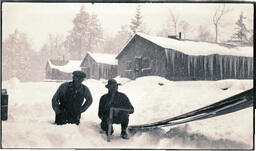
(4, 105)
(161, 84)
(224, 88)
(67, 102)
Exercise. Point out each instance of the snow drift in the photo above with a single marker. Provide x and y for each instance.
(30, 118)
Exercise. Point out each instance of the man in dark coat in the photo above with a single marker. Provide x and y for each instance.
(114, 99)
(68, 102)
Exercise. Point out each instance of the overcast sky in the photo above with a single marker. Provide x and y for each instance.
(38, 20)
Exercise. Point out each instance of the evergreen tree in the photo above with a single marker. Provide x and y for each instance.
(95, 33)
(17, 57)
(136, 22)
(55, 47)
(85, 35)
(241, 31)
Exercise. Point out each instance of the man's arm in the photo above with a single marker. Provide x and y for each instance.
(88, 102)
(128, 104)
(55, 99)
(101, 108)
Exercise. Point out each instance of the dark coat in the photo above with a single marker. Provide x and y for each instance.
(69, 100)
(120, 100)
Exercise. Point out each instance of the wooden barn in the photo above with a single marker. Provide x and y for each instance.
(177, 59)
(99, 66)
(61, 69)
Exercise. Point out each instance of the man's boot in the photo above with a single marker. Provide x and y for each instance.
(124, 135)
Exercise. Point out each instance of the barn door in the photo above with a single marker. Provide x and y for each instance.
(87, 72)
(138, 66)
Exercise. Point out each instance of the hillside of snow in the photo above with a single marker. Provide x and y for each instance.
(30, 116)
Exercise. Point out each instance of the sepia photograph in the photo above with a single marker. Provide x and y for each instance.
(127, 75)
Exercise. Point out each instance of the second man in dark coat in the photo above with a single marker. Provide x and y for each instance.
(115, 99)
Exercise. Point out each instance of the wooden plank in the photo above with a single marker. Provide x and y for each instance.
(228, 105)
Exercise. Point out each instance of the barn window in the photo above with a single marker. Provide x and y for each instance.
(145, 62)
(129, 64)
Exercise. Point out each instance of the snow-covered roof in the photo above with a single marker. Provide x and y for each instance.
(197, 48)
(71, 66)
(104, 58)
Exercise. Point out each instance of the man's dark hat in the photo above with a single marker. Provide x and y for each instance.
(112, 82)
(80, 74)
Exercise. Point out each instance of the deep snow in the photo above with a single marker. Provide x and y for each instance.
(193, 48)
(30, 117)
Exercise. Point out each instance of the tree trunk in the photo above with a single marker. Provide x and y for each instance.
(216, 33)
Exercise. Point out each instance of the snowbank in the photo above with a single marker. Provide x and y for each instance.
(30, 117)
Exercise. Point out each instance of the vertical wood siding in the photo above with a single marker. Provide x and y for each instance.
(175, 65)
(96, 70)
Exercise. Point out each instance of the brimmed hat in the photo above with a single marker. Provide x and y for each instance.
(80, 74)
(112, 82)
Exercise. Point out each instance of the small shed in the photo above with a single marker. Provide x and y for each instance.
(177, 59)
(99, 65)
(61, 69)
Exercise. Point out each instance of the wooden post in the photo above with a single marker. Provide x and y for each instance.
(111, 119)
(110, 124)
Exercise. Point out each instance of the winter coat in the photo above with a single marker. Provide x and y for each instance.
(70, 99)
(120, 100)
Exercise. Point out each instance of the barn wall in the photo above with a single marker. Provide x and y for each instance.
(213, 67)
(85, 66)
(175, 65)
(48, 71)
(96, 70)
(90, 67)
(151, 55)
(58, 75)
(107, 71)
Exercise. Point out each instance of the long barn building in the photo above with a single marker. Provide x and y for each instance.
(176, 59)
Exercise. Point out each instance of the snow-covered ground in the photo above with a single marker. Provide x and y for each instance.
(30, 117)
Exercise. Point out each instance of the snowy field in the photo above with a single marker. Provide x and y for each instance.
(30, 118)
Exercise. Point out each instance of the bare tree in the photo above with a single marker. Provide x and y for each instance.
(216, 18)
(174, 20)
(171, 25)
(184, 27)
(204, 34)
